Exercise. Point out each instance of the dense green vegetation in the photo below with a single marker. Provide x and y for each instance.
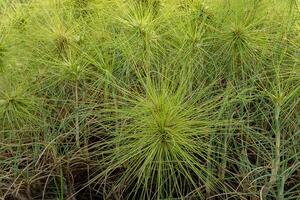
(149, 99)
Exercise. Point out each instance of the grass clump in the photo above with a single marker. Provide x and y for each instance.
(159, 141)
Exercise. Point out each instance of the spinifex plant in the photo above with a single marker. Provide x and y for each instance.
(158, 138)
(149, 99)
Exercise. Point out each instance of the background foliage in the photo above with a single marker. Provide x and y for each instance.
(149, 99)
